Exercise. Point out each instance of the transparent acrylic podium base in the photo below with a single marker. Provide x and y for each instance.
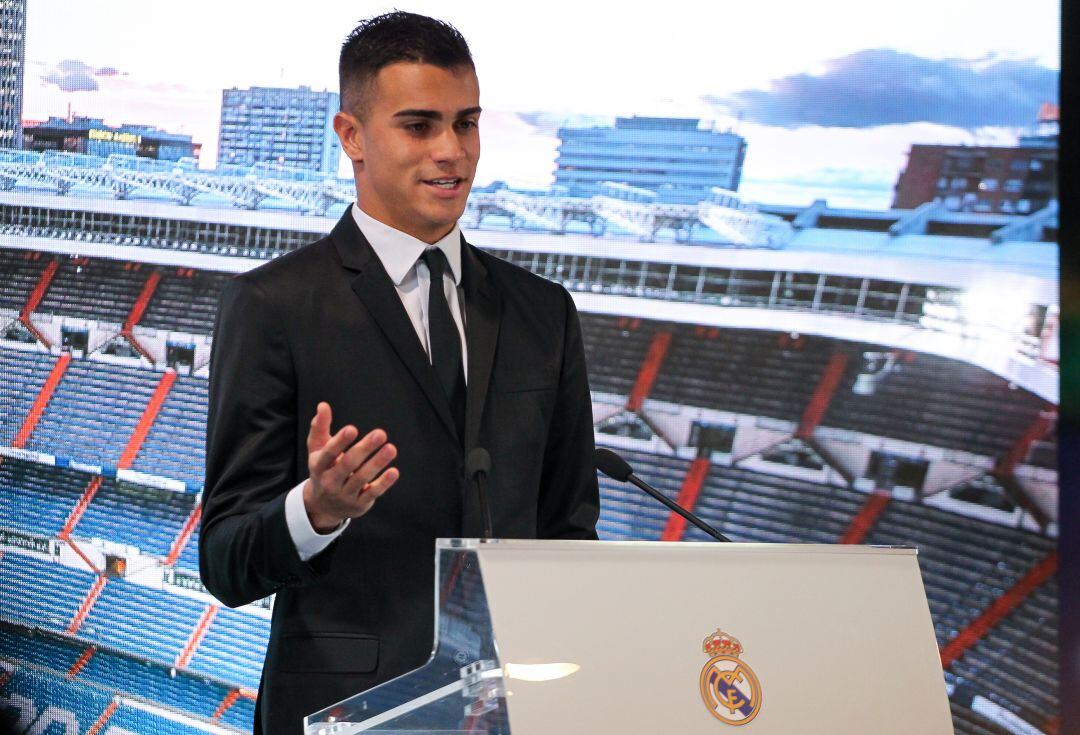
(460, 690)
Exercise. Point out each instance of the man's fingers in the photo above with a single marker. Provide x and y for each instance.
(375, 489)
(369, 468)
(357, 455)
(320, 427)
(325, 457)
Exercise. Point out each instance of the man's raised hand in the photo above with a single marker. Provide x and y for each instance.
(345, 481)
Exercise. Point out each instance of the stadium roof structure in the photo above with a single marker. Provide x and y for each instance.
(944, 259)
(725, 220)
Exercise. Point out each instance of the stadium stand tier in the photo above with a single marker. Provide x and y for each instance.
(175, 446)
(74, 424)
(1016, 665)
(24, 373)
(966, 563)
(38, 499)
(185, 301)
(22, 270)
(94, 289)
(766, 373)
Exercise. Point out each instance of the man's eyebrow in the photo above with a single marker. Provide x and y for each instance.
(426, 114)
(435, 114)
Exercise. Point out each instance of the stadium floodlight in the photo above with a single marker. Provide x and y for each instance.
(1004, 306)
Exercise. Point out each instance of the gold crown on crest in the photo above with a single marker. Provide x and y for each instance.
(721, 644)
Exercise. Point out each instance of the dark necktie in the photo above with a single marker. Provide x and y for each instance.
(445, 340)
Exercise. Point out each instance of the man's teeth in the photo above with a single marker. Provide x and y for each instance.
(445, 183)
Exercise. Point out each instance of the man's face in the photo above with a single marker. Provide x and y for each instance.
(415, 151)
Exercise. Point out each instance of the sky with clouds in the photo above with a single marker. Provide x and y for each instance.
(829, 95)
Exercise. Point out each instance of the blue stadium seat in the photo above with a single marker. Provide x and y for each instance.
(24, 373)
(41, 593)
(94, 411)
(38, 499)
(146, 518)
(176, 444)
(150, 623)
(233, 648)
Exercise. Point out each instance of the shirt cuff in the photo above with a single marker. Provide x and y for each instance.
(307, 540)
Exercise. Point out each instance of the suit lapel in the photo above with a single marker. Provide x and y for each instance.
(482, 312)
(377, 292)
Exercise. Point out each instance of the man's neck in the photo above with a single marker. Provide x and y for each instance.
(425, 237)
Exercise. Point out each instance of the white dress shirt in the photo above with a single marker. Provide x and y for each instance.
(400, 256)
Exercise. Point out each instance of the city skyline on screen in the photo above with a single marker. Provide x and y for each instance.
(829, 98)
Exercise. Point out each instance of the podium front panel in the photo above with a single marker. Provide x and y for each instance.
(543, 637)
(830, 639)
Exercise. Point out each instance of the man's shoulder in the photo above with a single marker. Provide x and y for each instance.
(514, 279)
(297, 268)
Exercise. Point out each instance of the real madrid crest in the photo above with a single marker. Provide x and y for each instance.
(730, 689)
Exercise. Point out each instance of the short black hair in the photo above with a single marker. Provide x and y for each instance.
(392, 38)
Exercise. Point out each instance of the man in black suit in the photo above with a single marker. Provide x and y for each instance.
(423, 347)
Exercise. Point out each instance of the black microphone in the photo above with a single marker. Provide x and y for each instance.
(478, 467)
(617, 468)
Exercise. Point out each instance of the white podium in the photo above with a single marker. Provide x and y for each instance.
(568, 637)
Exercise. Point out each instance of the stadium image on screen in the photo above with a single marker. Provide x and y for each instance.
(812, 371)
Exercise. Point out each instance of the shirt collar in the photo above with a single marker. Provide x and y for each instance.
(399, 251)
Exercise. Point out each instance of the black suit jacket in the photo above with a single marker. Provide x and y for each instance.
(325, 323)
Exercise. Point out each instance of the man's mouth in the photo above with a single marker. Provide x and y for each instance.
(448, 183)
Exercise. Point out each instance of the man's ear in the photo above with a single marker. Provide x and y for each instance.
(348, 129)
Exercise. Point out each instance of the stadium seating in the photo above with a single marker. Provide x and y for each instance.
(233, 648)
(143, 517)
(38, 499)
(1015, 665)
(960, 406)
(21, 270)
(189, 556)
(754, 507)
(184, 303)
(240, 714)
(40, 690)
(154, 683)
(966, 722)
(28, 646)
(46, 691)
(175, 446)
(966, 563)
(150, 623)
(24, 373)
(180, 691)
(614, 349)
(626, 513)
(94, 289)
(40, 593)
(744, 371)
(94, 411)
(765, 373)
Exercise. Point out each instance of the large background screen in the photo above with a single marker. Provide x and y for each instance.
(813, 245)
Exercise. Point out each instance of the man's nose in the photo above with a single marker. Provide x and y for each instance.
(447, 146)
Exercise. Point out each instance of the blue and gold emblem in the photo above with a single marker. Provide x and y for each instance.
(730, 688)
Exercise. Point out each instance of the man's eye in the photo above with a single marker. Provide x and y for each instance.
(417, 127)
(467, 124)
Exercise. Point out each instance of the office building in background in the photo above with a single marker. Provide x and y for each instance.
(289, 127)
(92, 136)
(1019, 179)
(674, 157)
(12, 63)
